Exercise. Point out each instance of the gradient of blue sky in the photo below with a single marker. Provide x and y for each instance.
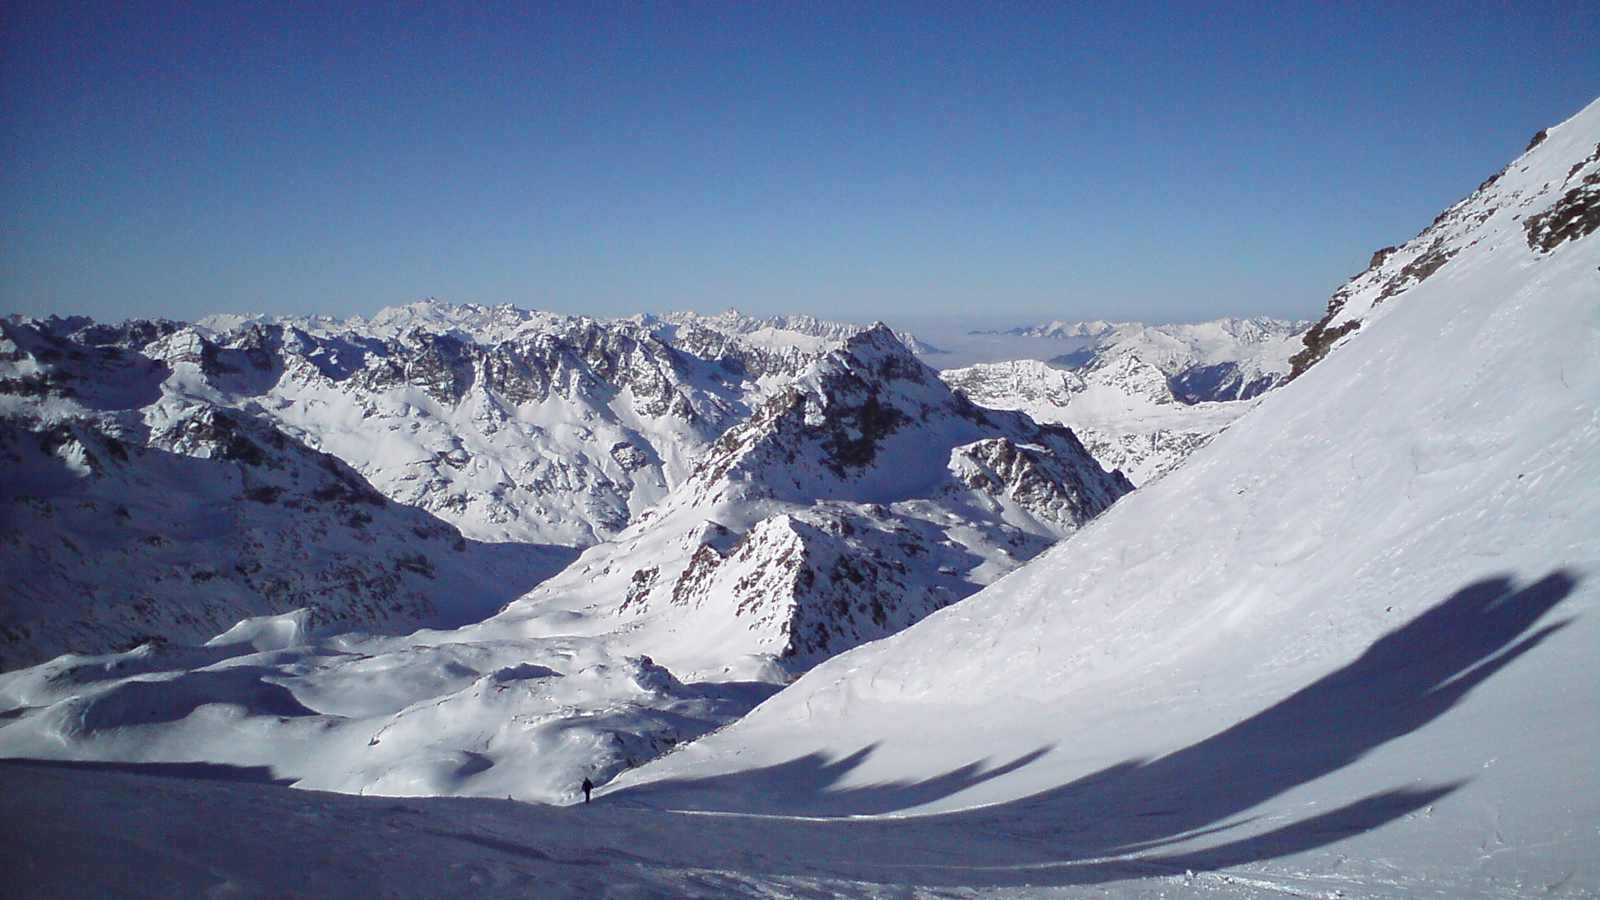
(1038, 160)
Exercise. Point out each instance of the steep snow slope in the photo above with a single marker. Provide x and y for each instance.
(1122, 408)
(1549, 204)
(1351, 641)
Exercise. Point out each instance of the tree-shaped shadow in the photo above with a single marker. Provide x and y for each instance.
(1108, 824)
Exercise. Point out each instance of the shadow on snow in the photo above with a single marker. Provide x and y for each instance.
(199, 771)
(1065, 835)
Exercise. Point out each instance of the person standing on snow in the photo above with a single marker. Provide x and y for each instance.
(587, 787)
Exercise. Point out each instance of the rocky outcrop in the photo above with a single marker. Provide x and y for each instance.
(1551, 194)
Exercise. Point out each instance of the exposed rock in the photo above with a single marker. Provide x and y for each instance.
(1522, 195)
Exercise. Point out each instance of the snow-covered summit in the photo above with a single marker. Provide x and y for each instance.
(474, 322)
(848, 505)
(788, 328)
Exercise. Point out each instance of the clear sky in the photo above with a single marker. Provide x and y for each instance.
(1038, 160)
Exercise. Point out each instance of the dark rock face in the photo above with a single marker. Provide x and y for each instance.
(1417, 271)
(1575, 215)
(825, 580)
(1319, 340)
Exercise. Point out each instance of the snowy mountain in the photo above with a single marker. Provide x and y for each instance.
(784, 328)
(559, 433)
(1225, 359)
(1512, 198)
(850, 505)
(857, 500)
(1347, 648)
(1121, 408)
(135, 509)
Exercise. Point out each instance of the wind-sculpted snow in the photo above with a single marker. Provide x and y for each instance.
(415, 716)
(1169, 825)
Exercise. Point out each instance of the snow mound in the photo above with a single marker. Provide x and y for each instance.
(280, 632)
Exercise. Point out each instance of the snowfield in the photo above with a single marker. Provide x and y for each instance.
(1347, 649)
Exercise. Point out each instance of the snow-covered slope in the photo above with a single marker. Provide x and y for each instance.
(1121, 408)
(1550, 206)
(133, 509)
(1348, 646)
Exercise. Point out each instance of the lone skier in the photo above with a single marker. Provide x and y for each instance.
(587, 787)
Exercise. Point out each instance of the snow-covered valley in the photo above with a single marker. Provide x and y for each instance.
(1340, 642)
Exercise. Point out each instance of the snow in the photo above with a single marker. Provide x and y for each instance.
(1256, 349)
(1121, 408)
(1346, 649)
(1355, 632)
(567, 680)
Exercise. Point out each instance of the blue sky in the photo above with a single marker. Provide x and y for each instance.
(1021, 161)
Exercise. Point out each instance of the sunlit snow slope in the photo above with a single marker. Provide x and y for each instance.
(1352, 641)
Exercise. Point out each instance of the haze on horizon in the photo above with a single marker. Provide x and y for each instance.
(904, 162)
